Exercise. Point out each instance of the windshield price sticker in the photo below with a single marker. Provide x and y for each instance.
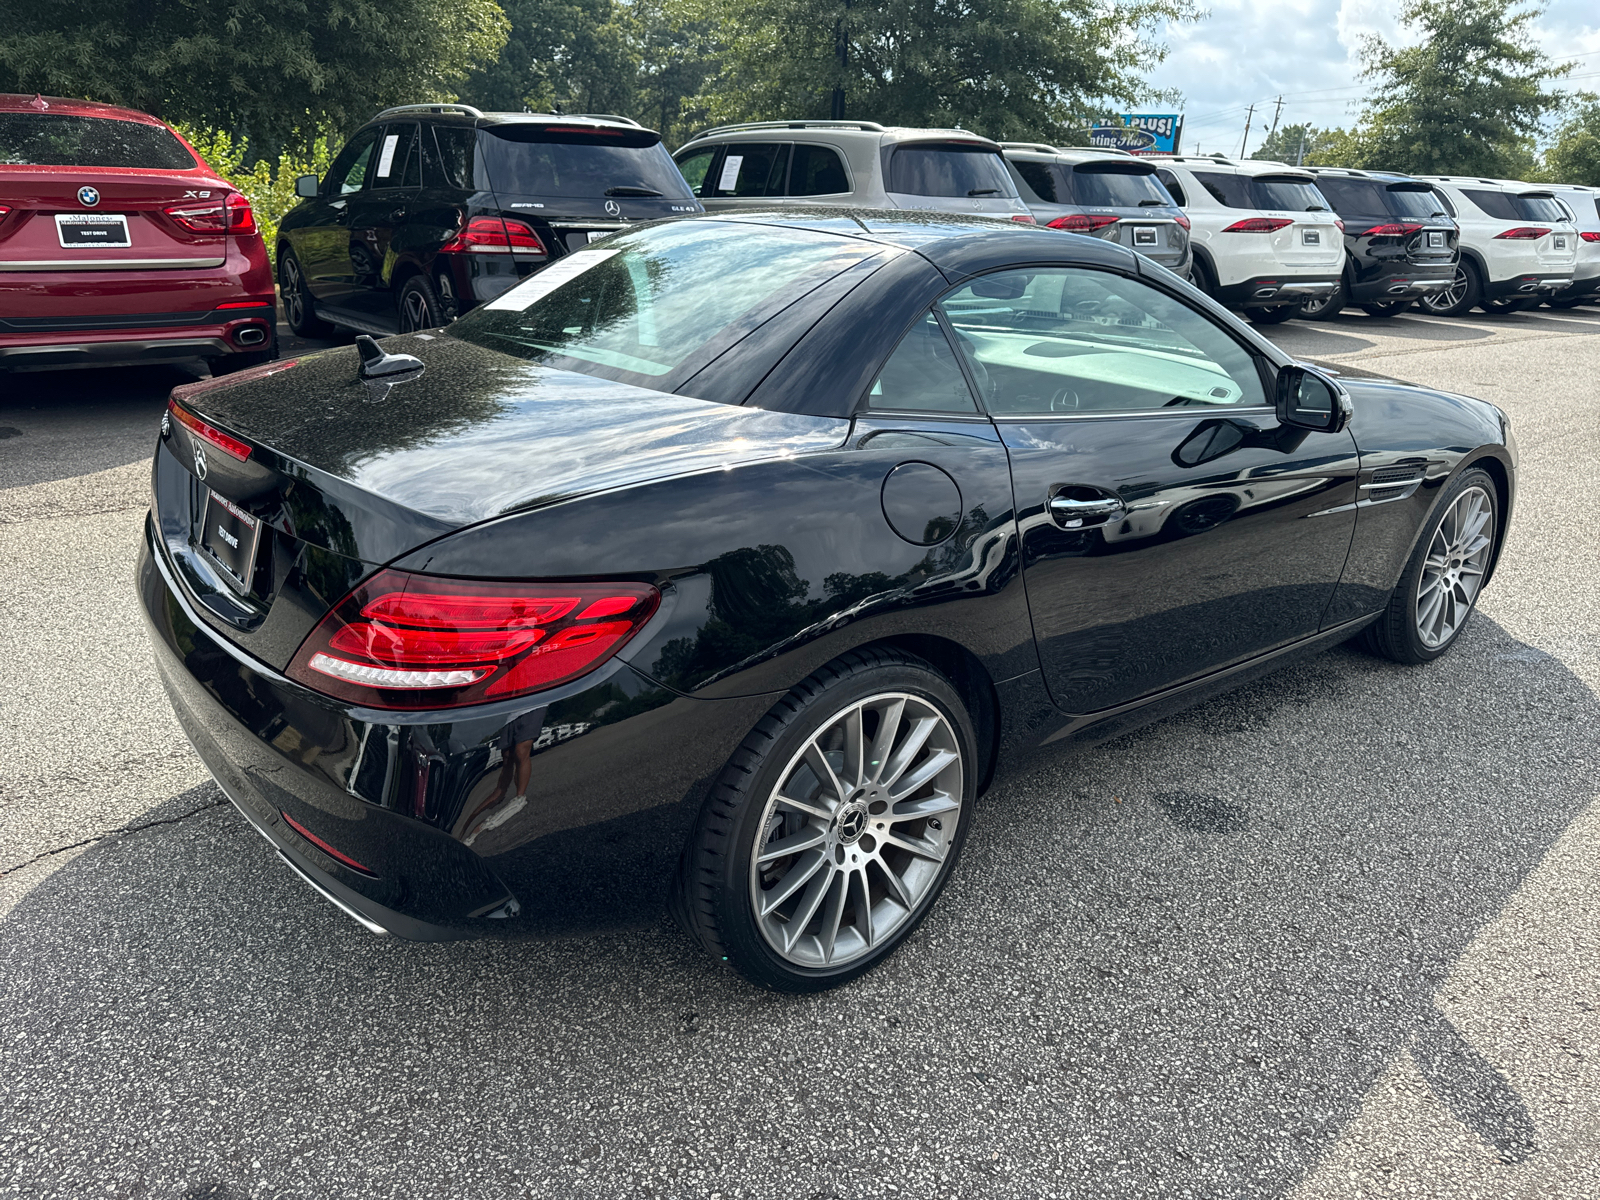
(386, 160)
(730, 172)
(524, 295)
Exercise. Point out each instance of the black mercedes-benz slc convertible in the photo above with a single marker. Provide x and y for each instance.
(728, 561)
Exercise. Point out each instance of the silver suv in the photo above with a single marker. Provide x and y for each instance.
(855, 164)
(1108, 194)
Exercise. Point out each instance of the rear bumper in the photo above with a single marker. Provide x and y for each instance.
(1531, 284)
(106, 339)
(615, 768)
(1266, 290)
(1384, 281)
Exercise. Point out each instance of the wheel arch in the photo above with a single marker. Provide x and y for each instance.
(1497, 470)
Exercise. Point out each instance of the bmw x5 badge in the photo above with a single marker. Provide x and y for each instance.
(88, 197)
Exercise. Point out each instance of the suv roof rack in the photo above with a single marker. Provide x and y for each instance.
(607, 117)
(1038, 147)
(865, 126)
(1101, 150)
(1205, 158)
(428, 108)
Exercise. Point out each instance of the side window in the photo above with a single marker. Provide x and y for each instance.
(1072, 340)
(349, 171)
(1232, 191)
(396, 149)
(694, 169)
(447, 156)
(1170, 182)
(818, 171)
(752, 169)
(923, 374)
(1496, 204)
(1040, 179)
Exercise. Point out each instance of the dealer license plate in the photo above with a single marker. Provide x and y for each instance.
(1145, 236)
(596, 234)
(1311, 237)
(229, 535)
(1559, 242)
(1435, 241)
(77, 230)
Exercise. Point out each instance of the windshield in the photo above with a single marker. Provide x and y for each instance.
(52, 140)
(640, 303)
(1117, 186)
(934, 170)
(538, 160)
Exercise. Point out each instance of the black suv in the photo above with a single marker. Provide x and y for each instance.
(1399, 242)
(431, 209)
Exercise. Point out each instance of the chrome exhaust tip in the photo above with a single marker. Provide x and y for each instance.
(250, 335)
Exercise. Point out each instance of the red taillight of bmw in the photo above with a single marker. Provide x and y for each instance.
(404, 641)
(1392, 229)
(1258, 225)
(1183, 221)
(231, 214)
(493, 235)
(215, 437)
(1084, 222)
(1524, 233)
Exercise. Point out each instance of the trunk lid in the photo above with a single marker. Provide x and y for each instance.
(344, 474)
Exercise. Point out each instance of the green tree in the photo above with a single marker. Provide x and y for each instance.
(1006, 68)
(560, 56)
(1469, 99)
(1299, 143)
(276, 71)
(1574, 155)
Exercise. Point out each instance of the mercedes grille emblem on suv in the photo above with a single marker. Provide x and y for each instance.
(88, 197)
(613, 207)
(200, 462)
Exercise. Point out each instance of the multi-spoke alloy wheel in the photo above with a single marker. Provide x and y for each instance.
(835, 824)
(855, 831)
(1437, 591)
(1453, 571)
(1464, 292)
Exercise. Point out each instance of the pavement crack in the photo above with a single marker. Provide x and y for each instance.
(121, 831)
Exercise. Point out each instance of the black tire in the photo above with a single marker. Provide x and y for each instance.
(715, 895)
(1275, 315)
(418, 306)
(1202, 276)
(449, 303)
(1508, 305)
(1387, 308)
(1463, 295)
(1325, 308)
(1395, 634)
(1571, 301)
(295, 296)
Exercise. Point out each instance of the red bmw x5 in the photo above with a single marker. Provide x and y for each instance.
(118, 244)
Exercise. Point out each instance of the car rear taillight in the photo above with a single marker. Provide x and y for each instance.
(325, 847)
(1084, 222)
(1524, 233)
(404, 641)
(241, 217)
(1589, 235)
(493, 235)
(1024, 219)
(1391, 229)
(1258, 225)
(206, 433)
(1338, 222)
(3, 211)
(1182, 221)
(231, 214)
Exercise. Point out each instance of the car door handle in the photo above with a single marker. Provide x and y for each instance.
(1072, 513)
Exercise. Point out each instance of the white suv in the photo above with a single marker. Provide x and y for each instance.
(854, 164)
(1518, 246)
(1264, 237)
(1583, 203)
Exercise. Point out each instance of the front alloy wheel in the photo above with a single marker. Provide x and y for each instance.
(834, 826)
(1463, 293)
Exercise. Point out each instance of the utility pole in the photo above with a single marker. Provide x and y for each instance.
(1300, 159)
(1247, 118)
(1275, 114)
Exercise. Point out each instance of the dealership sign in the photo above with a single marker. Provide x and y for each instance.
(1139, 133)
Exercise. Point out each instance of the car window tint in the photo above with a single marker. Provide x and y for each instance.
(1231, 191)
(1117, 186)
(817, 171)
(694, 168)
(752, 169)
(1359, 197)
(1287, 194)
(1410, 200)
(643, 301)
(1174, 188)
(1496, 204)
(533, 159)
(1539, 208)
(938, 170)
(923, 374)
(57, 140)
(447, 156)
(1040, 180)
(395, 151)
(1066, 340)
(349, 170)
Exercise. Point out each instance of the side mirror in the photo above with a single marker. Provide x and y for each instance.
(305, 186)
(1310, 400)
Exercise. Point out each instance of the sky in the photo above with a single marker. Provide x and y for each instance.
(1307, 51)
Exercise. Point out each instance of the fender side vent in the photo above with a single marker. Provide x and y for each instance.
(1392, 483)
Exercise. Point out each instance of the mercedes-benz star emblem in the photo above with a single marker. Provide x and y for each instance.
(613, 208)
(200, 462)
(88, 197)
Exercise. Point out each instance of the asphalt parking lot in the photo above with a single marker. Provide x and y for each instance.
(1332, 936)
